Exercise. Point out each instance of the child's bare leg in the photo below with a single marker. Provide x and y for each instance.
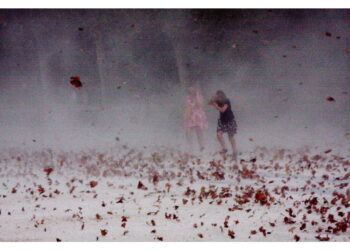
(234, 147)
(200, 138)
(221, 140)
(189, 138)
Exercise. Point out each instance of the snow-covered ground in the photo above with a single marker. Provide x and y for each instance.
(126, 194)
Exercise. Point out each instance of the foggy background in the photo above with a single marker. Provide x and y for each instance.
(278, 67)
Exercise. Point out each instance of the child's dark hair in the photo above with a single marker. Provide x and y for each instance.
(221, 95)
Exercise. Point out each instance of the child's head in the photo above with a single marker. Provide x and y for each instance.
(220, 95)
(192, 90)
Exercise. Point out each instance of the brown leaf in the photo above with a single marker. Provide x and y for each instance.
(93, 184)
(262, 230)
(121, 200)
(297, 238)
(141, 186)
(288, 220)
(322, 238)
(104, 232)
(48, 171)
(75, 81)
(231, 234)
(41, 189)
(153, 222)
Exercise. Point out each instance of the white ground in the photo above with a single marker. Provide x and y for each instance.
(71, 215)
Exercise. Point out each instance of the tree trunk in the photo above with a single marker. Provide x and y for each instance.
(176, 34)
(181, 63)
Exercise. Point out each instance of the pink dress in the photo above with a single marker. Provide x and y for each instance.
(194, 113)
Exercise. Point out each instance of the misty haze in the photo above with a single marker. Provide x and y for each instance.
(100, 141)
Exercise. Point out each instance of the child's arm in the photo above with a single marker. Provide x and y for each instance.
(221, 109)
(211, 101)
(199, 102)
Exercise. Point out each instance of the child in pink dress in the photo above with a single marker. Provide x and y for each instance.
(195, 118)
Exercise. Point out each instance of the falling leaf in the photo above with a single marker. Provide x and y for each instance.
(75, 81)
